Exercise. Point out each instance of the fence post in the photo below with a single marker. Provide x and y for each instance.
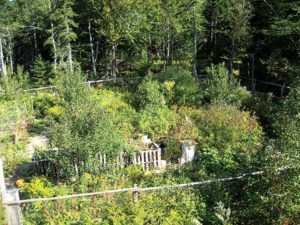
(282, 91)
(2, 179)
(135, 194)
(2, 185)
(13, 211)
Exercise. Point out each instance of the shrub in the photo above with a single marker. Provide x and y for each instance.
(149, 94)
(15, 117)
(84, 129)
(54, 112)
(287, 123)
(15, 155)
(220, 86)
(43, 102)
(173, 206)
(185, 87)
(11, 85)
(156, 121)
(121, 113)
(228, 137)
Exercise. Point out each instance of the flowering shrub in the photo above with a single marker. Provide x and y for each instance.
(43, 102)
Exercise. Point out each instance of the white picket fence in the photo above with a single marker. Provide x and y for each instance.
(148, 160)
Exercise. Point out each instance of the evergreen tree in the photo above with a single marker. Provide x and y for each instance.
(42, 72)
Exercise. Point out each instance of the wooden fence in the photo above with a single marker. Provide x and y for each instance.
(50, 166)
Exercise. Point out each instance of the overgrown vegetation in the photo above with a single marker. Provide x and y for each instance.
(174, 71)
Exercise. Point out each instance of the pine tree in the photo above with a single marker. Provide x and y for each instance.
(41, 72)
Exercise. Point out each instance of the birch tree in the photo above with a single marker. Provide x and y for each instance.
(63, 32)
(7, 25)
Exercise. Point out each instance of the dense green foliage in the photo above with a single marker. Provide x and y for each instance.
(222, 87)
(229, 139)
(180, 82)
(84, 128)
(178, 71)
(164, 207)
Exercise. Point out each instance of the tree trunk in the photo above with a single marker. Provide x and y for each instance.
(97, 51)
(35, 41)
(113, 62)
(92, 50)
(70, 58)
(3, 66)
(11, 60)
(54, 46)
(232, 55)
(53, 40)
(168, 61)
(195, 43)
(69, 47)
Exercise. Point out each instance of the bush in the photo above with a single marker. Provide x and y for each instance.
(15, 117)
(149, 94)
(287, 123)
(11, 85)
(220, 86)
(156, 121)
(84, 129)
(121, 113)
(15, 155)
(43, 102)
(54, 112)
(185, 87)
(228, 138)
(173, 206)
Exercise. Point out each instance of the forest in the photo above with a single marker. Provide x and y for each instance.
(190, 107)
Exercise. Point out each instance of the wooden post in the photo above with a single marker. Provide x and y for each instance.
(142, 160)
(13, 211)
(147, 160)
(135, 194)
(2, 179)
(159, 157)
